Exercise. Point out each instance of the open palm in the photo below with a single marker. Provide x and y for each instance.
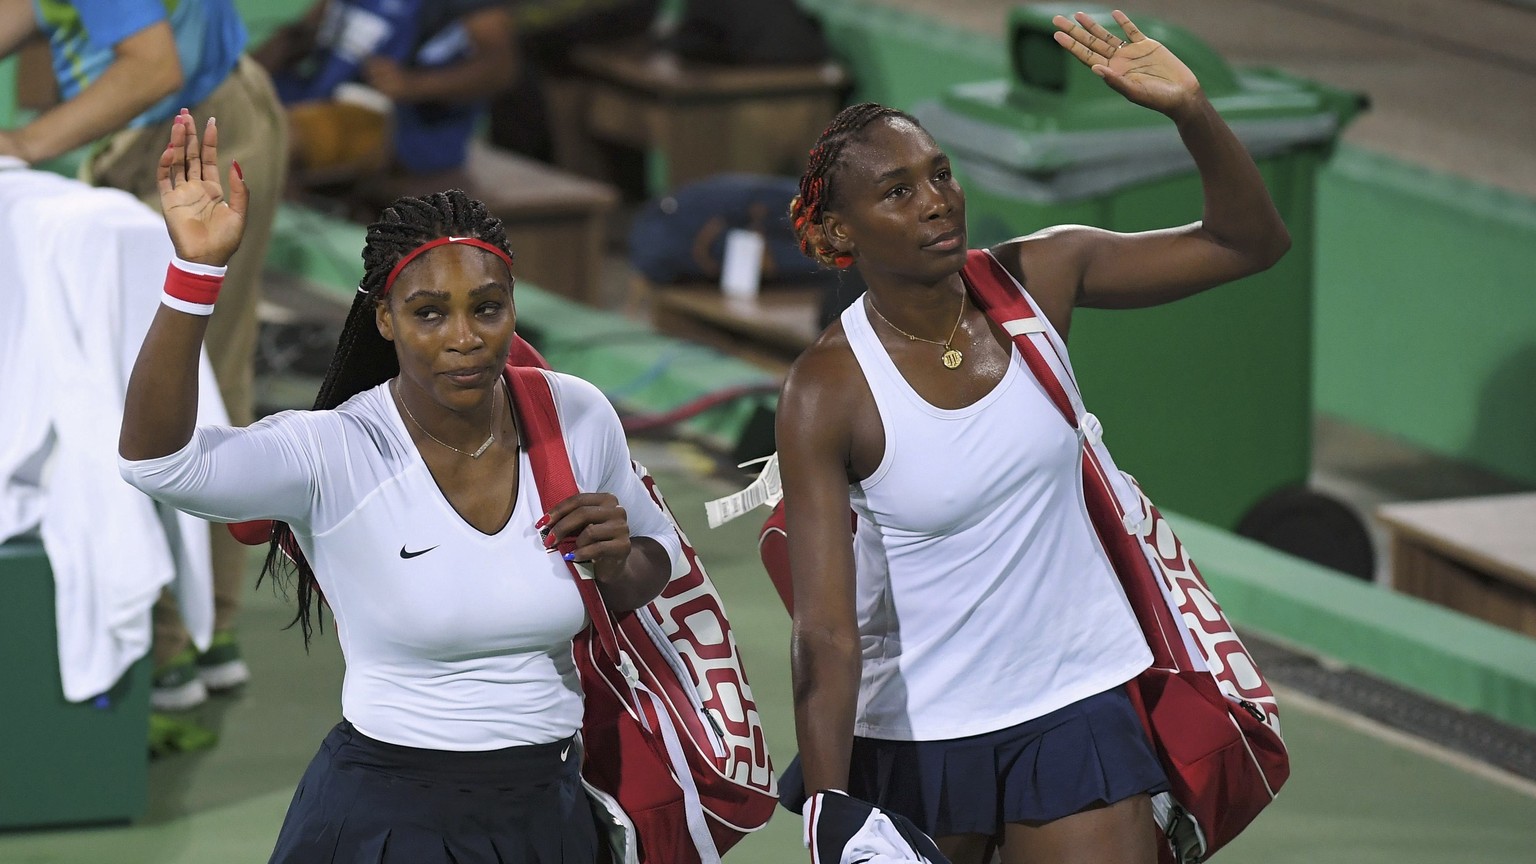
(205, 227)
(1137, 67)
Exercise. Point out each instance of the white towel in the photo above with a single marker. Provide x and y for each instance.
(81, 271)
(840, 829)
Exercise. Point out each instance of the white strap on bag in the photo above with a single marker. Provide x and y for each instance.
(693, 807)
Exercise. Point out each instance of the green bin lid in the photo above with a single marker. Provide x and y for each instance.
(1060, 124)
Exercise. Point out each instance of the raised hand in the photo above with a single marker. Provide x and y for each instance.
(1138, 68)
(205, 227)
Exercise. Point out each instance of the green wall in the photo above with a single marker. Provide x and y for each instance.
(1426, 310)
(902, 59)
(7, 92)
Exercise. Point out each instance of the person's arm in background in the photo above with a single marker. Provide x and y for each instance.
(291, 42)
(18, 23)
(490, 68)
(145, 69)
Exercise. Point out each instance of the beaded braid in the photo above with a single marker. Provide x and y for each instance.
(363, 357)
(807, 208)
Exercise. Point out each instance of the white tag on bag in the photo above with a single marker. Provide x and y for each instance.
(742, 268)
(765, 491)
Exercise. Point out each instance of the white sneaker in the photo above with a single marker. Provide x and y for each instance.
(180, 697)
(223, 676)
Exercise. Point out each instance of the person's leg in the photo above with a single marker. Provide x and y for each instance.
(1122, 832)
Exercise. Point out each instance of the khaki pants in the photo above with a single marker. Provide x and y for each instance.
(252, 131)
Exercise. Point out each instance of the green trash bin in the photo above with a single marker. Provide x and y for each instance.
(1207, 401)
(61, 763)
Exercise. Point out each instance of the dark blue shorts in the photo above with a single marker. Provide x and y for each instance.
(1091, 752)
(364, 801)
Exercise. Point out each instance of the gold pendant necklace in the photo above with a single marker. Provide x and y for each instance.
(489, 439)
(951, 358)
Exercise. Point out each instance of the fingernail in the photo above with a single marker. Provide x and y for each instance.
(238, 172)
(569, 556)
(542, 521)
(210, 121)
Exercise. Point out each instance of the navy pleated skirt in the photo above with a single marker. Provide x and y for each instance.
(363, 801)
(1089, 753)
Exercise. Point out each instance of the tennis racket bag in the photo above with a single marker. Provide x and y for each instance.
(1207, 709)
(671, 733)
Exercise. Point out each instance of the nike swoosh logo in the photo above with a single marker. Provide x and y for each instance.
(564, 752)
(408, 555)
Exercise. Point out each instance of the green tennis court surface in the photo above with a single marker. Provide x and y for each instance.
(1358, 794)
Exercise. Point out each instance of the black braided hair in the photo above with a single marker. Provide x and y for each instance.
(816, 189)
(363, 357)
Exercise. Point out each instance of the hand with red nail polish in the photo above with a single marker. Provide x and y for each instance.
(204, 225)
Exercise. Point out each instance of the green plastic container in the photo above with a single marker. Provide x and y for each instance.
(61, 763)
(1207, 401)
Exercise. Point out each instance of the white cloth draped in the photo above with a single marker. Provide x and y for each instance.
(81, 271)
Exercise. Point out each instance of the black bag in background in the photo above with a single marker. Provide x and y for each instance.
(748, 32)
(681, 237)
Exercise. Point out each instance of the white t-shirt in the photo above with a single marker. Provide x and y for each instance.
(984, 597)
(454, 639)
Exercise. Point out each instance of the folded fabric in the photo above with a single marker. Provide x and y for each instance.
(840, 829)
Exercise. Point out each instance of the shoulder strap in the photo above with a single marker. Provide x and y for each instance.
(539, 424)
(993, 289)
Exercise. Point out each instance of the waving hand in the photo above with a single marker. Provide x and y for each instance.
(205, 227)
(1137, 67)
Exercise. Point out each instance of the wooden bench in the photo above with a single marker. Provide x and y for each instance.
(769, 330)
(556, 221)
(1474, 555)
(701, 119)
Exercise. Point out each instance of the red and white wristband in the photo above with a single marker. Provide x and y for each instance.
(192, 288)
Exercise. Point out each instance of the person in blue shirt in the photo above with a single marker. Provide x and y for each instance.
(123, 69)
(438, 63)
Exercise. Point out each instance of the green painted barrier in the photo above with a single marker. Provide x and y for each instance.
(1426, 310)
(7, 93)
(1413, 643)
(900, 59)
(61, 763)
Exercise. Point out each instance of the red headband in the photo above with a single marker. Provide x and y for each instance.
(428, 246)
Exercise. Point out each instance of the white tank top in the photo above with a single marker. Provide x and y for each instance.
(984, 597)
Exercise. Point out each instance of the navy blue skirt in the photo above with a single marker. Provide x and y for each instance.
(1092, 752)
(363, 801)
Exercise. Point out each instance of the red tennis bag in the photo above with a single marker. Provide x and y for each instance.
(671, 732)
(1211, 717)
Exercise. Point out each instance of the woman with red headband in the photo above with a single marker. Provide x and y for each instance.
(959, 658)
(406, 497)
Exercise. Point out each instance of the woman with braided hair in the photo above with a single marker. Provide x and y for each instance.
(959, 658)
(405, 495)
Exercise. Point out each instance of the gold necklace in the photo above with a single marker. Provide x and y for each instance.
(951, 358)
(489, 439)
